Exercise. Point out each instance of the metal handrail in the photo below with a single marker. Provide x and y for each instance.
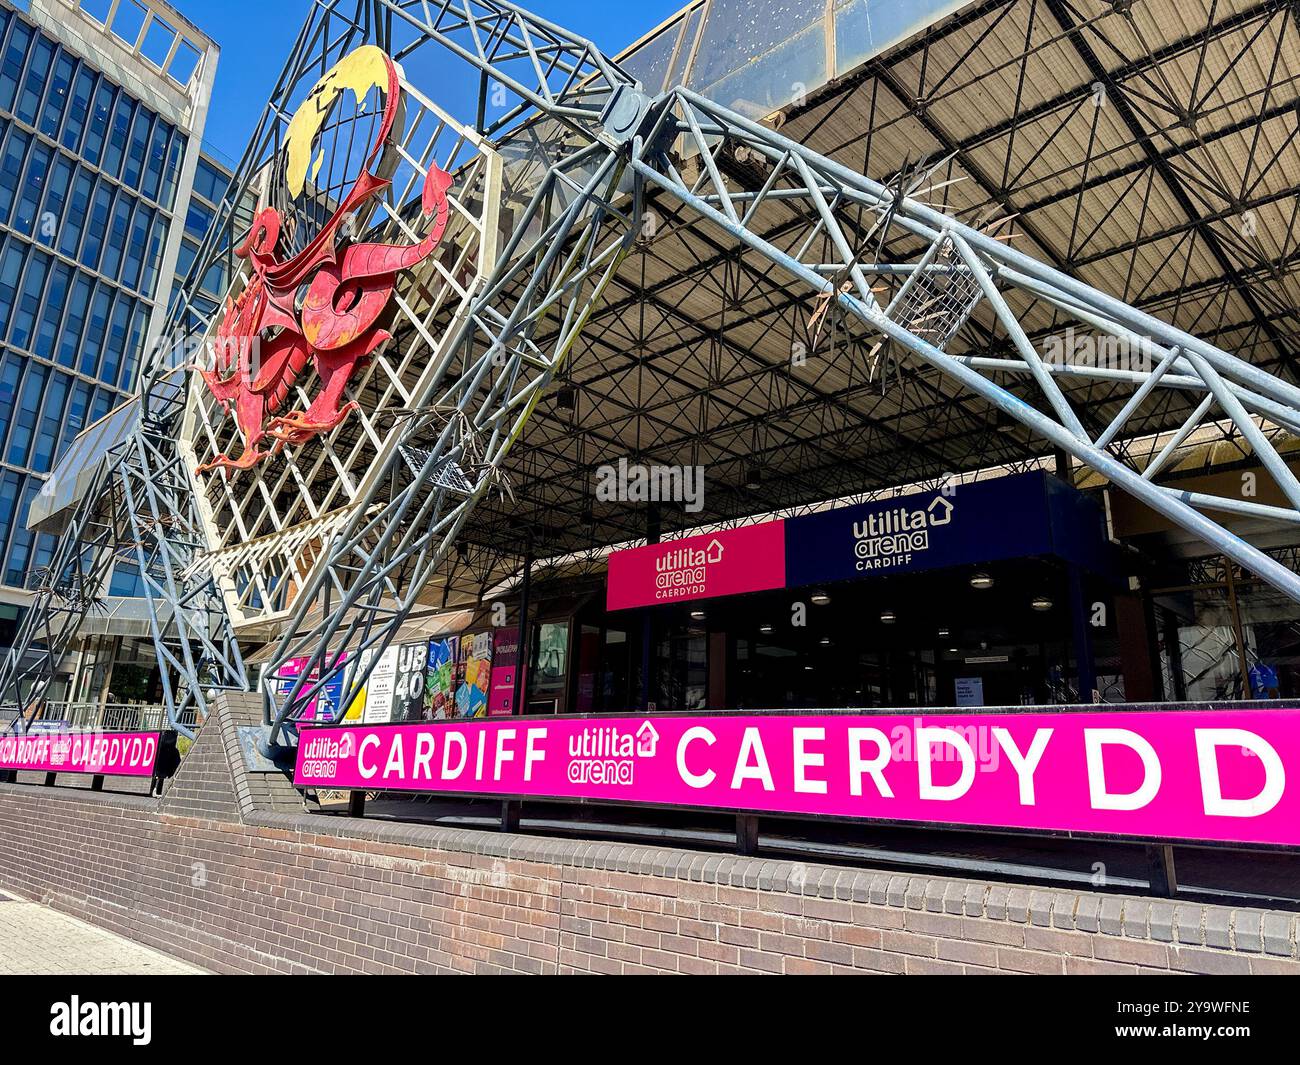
(103, 717)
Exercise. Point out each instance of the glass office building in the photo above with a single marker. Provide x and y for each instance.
(102, 106)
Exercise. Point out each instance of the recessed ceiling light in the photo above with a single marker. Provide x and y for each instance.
(888, 617)
(820, 598)
(1041, 602)
(825, 641)
(981, 581)
(698, 615)
(944, 634)
(765, 629)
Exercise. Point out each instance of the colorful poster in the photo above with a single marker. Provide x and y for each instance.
(440, 679)
(285, 678)
(357, 708)
(329, 697)
(476, 661)
(1229, 776)
(505, 662)
(408, 696)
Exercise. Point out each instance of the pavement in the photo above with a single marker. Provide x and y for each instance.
(35, 939)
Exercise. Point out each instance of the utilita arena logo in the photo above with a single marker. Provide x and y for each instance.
(684, 571)
(606, 754)
(891, 537)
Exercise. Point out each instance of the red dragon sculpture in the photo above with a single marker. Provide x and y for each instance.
(346, 287)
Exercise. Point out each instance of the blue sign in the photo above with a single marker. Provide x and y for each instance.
(1010, 517)
(1263, 680)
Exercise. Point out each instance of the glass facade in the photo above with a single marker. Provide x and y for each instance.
(88, 184)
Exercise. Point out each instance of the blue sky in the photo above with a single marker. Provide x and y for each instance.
(255, 37)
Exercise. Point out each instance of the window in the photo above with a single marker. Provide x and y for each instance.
(11, 270)
(209, 182)
(153, 255)
(38, 69)
(56, 197)
(56, 101)
(9, 376)
(153, 170)
(99, 216)
(82, 94)
(96, 326)
(135, 156)
(11, 68)
(52, 311)
(29, 407)
(175, 150)
(11, 168)
(10, 488)
(214, 281)
(198, 220)
(118, 132)
(115, 349)
(134, 345)
(185, 258)
(137, 246)
(29, 300)
(70, 341)
(33, 187)
(47, 435)
(78, 204)
(78, 409)
(99, 119)
(21, 544)
(117, 234)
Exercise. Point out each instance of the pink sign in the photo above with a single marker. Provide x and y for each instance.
(1221, 775)
(114, 754)
(749, 559)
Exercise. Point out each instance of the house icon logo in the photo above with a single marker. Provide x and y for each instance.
(715, 551)
(647, 739)
(940, 511)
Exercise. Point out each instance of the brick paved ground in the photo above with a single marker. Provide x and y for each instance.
(37, 939)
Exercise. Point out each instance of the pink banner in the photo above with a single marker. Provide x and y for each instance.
(749, 559)
(114, 754)
(1225, 775)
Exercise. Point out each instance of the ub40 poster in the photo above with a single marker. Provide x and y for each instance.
(408, 696)
(476, 660)
(440, 679)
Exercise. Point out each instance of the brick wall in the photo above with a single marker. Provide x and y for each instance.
(241, 887)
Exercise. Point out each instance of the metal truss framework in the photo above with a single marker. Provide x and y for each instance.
(139, 513)
(926, 305)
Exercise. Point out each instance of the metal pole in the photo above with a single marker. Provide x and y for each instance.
(522, 655)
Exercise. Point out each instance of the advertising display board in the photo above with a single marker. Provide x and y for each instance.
(1018, 516)
(505, 661)
(116, 754)
(440, 679)
(1230, 776)
(411, 682)
(728, 562)
(474, 674)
